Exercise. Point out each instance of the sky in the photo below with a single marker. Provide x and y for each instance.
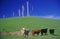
(40, 8)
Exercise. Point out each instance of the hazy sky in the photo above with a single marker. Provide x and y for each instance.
(44, 8)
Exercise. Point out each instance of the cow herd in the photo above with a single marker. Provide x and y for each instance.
(34, 32)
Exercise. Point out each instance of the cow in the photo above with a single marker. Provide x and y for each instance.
(44, 31)
(26, 32)
(51, 31)
(35, 32)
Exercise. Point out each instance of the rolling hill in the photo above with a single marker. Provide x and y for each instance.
(16, 23)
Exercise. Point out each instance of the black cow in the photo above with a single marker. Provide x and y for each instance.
(51, 31)
(26, 32)
(44, 31)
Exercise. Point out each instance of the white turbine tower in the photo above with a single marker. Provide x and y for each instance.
(13, 13)
(28, 9)
(22, 11)
(19, 12)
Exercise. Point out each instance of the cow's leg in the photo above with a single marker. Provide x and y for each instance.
(27, 35)
(38, 33)
(24, 35)
(52, 33)
(45, 33)
(41, 33)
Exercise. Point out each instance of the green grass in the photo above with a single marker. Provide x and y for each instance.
(32, 37)
(15, 24)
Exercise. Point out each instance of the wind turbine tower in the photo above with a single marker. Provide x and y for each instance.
(13, 13)
(19, 12)
(22, 11)
(28, 9)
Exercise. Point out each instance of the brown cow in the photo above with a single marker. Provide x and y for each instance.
(35, 32)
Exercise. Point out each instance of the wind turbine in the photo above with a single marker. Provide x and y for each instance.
(22, 11)
(19, 12)
(28, 9)
(13, 13)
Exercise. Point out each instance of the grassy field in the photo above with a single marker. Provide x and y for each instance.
(15, 24)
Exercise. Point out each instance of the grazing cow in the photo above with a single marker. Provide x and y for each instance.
(35, 32)
(44, 31)
(51, 31)
(26, 32)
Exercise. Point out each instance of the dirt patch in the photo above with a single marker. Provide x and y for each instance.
(10, 33)
(15, 33)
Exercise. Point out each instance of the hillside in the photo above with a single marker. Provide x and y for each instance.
(15, 24)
